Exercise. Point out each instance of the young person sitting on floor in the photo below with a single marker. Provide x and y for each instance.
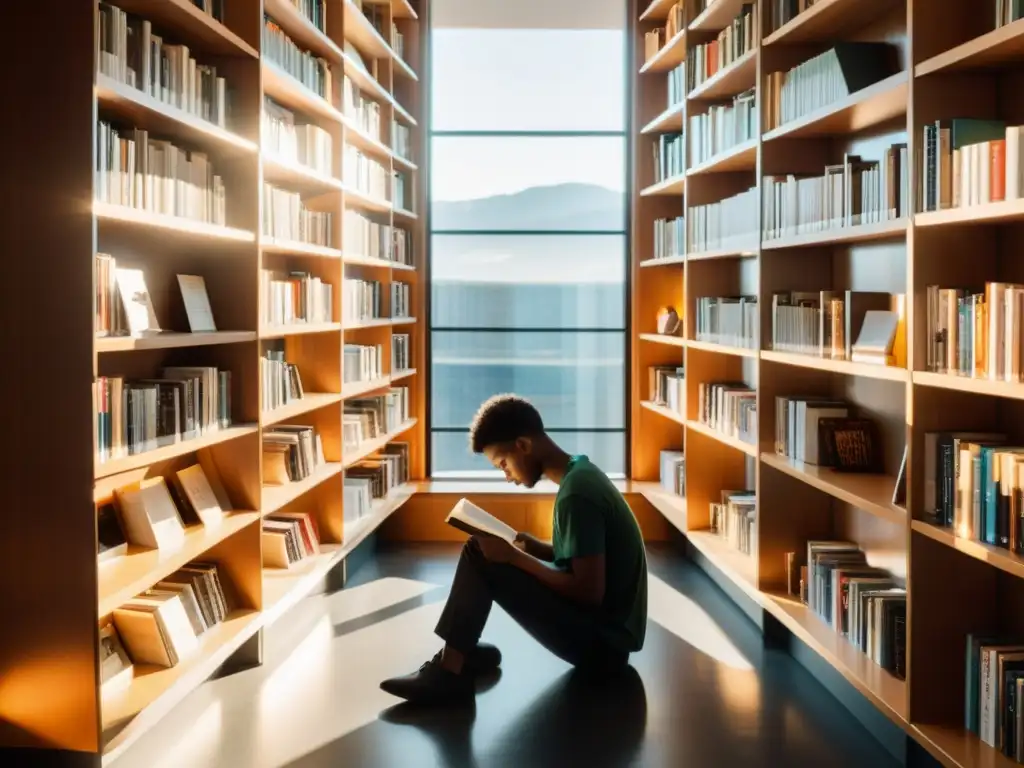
(583, 596)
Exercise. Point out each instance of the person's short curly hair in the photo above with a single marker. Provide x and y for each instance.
(503, 419)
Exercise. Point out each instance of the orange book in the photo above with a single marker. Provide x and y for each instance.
(997, 170)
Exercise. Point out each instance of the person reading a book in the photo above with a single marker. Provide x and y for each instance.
(583, 595)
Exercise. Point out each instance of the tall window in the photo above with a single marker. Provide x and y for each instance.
(528, 224)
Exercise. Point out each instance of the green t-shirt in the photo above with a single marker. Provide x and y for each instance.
(591, 518)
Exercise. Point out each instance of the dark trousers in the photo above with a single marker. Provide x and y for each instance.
(568, 629)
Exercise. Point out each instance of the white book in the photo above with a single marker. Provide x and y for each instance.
(468, 517)
(197, 303)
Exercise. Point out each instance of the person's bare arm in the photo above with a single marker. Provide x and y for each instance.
(542, 550)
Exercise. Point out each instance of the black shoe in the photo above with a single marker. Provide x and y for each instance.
(484, 659)
(431, 684)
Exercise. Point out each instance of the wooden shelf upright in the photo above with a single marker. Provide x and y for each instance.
(50, 697)
(949, 62)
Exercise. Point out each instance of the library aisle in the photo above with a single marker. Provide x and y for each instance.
(705, 691)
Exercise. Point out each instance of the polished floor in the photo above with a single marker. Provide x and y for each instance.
(703, 692)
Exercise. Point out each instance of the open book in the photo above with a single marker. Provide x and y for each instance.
(468, 517)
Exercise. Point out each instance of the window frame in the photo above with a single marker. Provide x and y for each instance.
(626, 134)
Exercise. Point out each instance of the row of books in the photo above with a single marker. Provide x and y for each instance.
(1008, 11)
(656, 39)
(134, 416)
(729, 408)
(669, 237)
(847, 194)
(976, 333)
(967, 161)
(862, 326)
(728, 320)
(403, 192)
(730, 222)
(974, 484)
(373, 479)
(672, 471)
(667, 386)
(829, 77)
(401, 140)
(781, 12)
(826, 432)
(314, 10)
(994, 688)
(400, 298)
(163, 625)
(294, 298)
(401, 352)
(312, 71)
(304, 144)
(676, 86)
(865, 604)
(364, 112)
(157, 176)
(734, 518)
(129, 52)
(362, 300)
(722, 127)
(375, 240)
(362, 362)
(705, 60)
(288, 538)
(286, 217)
(364, 174)
(397, 41)
(291, 453)
(280, 381)
(372, 417)
(669, 152)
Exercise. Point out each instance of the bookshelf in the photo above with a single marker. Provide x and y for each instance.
(345, 151)
(947, 60)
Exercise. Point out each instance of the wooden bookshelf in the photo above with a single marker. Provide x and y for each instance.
(950, 62)
(64, 229)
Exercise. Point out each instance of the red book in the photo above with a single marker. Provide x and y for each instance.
(997, 170)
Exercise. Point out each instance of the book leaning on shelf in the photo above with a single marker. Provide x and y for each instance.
(153, 175)
(976, 333)
(373, 478)
(129, 52)
(864, 604)
(734, 518)
(826, 432)
(138, 415)
(291, 452)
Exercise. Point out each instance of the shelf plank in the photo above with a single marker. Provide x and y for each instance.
(356, 259)
(845, 367)
(406, 214)
(673, 185)
(297, 329)
(952, 745)
(669, 121)
(662, 338)
(887, 692)
(362, 34)
(274, 245)
(110, 214)
(730, 80)
(371, 322)
(742, 157)
(671, 55)
(403, 162)
(718, 15)
(872, 493)
(722, 349)
(657, 10)
(1007, 389)
(739, 568)
(158, 117)
(303, 31)
(721, 437)
(828, 20)
(402, 9)
(359, 388)
(738, 252)
(403, 321)
(874, 105)
(155, 691)
(886, 230)
(190, 25)
(279, 171)
(125, 577)
(402, 67)
(1004, 45)
(989, 213)
(355, 532)
(664, 412)
(402, 374)
(171, 340)
(367, 202)
(370, 145)
(185, 447)
(670, 505)
(366, 82)
(283, 588)
(290, 93)
(370, 447)
(276, 497)
(1003, 559)
(311, 401)
(664, 262)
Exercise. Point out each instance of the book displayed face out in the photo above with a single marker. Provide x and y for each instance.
(468, 517)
